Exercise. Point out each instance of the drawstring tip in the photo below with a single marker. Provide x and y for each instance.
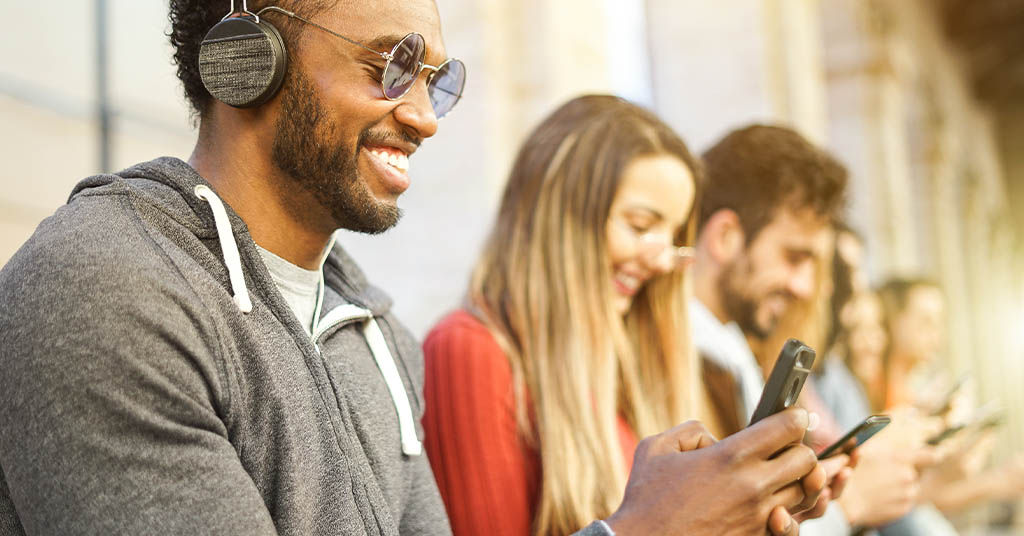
(244, 303)
(412, 447)
(228, 247)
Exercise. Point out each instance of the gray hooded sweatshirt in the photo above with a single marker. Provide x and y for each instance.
(154, 380)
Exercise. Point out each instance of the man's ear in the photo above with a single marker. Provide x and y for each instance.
(724, 236)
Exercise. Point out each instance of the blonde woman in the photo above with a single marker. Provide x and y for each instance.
(575, 343)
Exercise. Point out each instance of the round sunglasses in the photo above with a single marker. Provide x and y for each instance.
(403, 66)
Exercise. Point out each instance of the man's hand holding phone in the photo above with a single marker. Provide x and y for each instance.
(781, 391)
(684, 482)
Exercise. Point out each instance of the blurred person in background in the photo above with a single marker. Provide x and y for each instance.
(852, 387)
(852, 376)
(764, 240)
(765, 221)
(885, 486)
(854, 352)
(574, 343)
(184, 348)
(914, 309)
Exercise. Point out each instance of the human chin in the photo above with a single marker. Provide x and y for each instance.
(764, 323)
(621, 303)
(356, 208)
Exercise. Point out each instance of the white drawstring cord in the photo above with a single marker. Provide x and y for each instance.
(228, 247)
(411, 445)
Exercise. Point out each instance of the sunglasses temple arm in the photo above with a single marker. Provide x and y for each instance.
(384, 55)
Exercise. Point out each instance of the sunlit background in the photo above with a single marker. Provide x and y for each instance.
(922, 99)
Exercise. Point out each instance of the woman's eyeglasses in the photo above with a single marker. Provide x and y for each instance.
(656, 250)
(404, 65)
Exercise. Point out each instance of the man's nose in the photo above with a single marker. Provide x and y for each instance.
(415, 111)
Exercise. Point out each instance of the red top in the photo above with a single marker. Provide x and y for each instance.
(489, 479)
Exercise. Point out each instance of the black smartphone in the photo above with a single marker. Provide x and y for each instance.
(786, 380)
(856, 437)
(945, 434)
(982, 421)
(993, 421)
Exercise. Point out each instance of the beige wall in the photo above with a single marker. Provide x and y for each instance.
(47, 101)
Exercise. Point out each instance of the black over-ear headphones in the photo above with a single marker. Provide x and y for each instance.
(242, 60)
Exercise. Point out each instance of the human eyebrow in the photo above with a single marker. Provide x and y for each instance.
(636, 210)
(385, 43)
(799, 254)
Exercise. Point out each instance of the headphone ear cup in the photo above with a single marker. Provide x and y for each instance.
(242, 62)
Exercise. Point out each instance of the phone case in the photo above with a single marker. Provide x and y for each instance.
(786, 380)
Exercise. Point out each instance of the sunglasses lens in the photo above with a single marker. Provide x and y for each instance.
(404, 66)
(445, 87)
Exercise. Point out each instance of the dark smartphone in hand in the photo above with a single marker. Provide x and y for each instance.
(856, 437)
(983, 421)
(786, 380)
(945, 434)
(992, 421)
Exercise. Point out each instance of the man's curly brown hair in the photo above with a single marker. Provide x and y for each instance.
(757, 170)
(192, 19)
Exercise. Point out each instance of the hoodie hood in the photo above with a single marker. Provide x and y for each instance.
(175, 189)
(169, 185)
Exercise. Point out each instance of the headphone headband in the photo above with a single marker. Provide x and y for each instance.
(244, 11)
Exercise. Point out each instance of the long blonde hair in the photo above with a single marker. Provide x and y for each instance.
(541, 287)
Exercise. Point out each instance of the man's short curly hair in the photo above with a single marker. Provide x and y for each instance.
(757, 170)
(192, 19)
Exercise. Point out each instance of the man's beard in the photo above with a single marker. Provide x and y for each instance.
(305, 150)
(740, 307)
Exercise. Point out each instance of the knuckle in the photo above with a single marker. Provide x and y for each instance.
(752, 486)
(815, 486)
(807, 457)
(644, 446)
(729, 455)
(692, 426)
(689, 429)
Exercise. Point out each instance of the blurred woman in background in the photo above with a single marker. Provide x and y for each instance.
(915, 319)
(575, 341)
(915, 309)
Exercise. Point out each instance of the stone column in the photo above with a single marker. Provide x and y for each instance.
(867, 110)
(722, 65)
